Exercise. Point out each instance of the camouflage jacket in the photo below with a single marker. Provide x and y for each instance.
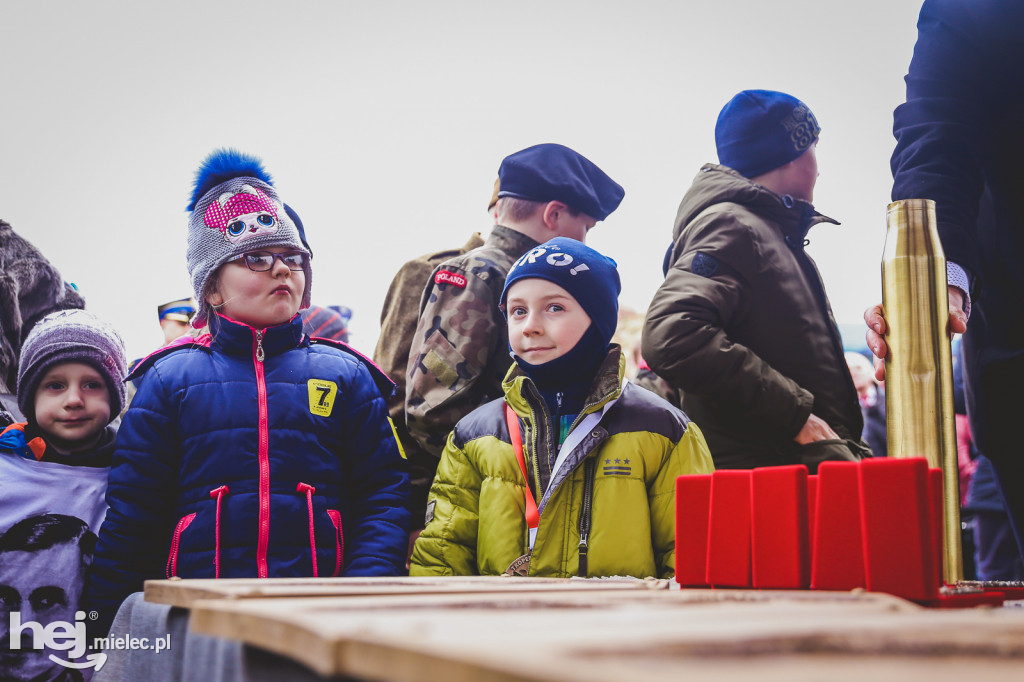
(398, 320)
(459, 353)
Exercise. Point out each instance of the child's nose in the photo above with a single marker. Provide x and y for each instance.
(73, 396)
(280, 268)
(531, 325)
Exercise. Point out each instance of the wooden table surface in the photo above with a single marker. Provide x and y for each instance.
(184, 593)
(457, 629)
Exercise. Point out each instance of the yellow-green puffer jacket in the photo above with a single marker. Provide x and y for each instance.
(476, 523)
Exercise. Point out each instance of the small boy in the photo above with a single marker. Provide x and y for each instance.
(573, 472)
(70, 388)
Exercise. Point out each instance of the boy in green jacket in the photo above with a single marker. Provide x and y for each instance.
(573, 472)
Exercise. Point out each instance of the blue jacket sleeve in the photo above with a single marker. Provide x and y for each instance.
(141, 493)
(944, 130)
(377, 532)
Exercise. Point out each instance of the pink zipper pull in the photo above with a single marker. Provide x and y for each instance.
(259, 347)
(218, 494)
(309, 490)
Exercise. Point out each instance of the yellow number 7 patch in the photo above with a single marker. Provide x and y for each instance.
(321, 396)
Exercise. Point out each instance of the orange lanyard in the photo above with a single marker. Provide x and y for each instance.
(532, 515)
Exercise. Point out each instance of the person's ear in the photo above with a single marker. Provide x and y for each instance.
(553, 211)
(212, 295)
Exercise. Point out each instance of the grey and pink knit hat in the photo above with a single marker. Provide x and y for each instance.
(71, 336)
(234, 209)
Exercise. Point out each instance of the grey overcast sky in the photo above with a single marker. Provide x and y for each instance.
(383, 124)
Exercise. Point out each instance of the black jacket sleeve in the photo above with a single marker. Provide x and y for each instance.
(966, 57)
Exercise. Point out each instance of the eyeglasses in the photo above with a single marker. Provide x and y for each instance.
(261, 261)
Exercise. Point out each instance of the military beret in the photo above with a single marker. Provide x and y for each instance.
(552, 172)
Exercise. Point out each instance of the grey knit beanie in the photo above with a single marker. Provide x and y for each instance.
(71, 336)
(234, 209)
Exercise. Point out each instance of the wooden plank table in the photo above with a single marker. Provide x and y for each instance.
(184, 593)
(525, 629)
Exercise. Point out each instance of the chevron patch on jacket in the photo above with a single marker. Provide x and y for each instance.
(616, 467)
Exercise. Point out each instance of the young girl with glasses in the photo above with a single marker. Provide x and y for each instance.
(251, 450)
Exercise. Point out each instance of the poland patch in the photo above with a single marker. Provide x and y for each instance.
(448, 277)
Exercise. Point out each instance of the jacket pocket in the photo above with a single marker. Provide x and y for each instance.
(339, 540)
(172, 556)
(441, 360)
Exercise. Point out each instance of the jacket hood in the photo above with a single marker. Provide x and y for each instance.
(716, 184)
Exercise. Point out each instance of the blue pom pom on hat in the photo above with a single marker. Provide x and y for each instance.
(761, 130)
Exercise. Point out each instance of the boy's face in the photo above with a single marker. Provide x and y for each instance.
(544, 321)
(259, 299)
(72, 406)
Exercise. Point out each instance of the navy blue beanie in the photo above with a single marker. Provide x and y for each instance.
(552, 172)
(760, 130)
(589, 277)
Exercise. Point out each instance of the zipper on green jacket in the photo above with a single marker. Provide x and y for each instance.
(589, 470)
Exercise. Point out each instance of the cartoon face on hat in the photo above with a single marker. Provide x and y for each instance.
(242, 215)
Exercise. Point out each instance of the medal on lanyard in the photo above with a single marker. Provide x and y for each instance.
(521, 566)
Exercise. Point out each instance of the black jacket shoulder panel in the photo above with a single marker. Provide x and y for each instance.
(641, 410)
(486, 420)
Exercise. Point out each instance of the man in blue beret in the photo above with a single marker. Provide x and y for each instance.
(741, 323)
(459, 353)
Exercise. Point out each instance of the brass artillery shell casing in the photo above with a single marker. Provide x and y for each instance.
(919, 366)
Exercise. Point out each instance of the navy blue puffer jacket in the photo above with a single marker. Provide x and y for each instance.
(253, 454)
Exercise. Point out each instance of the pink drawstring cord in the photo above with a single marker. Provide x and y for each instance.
(309, 490)
(218, 494)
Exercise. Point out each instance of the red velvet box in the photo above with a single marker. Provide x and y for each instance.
(899, 528)
(693, 504)
(812, 509)
(838, 558)
(779, 541)
(935, 481)
(729, 529)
